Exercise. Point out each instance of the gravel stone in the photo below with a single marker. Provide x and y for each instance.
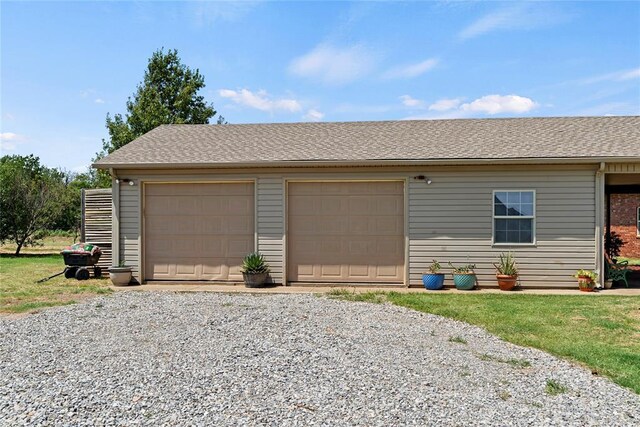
(167, 359)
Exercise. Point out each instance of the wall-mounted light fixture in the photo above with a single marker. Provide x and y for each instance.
(423, 178)
(126, 181)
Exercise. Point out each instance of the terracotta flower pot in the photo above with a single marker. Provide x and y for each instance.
(507, 282)
(586, 284)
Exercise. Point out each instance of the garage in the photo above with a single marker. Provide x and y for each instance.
(197, 231)
(346, 232)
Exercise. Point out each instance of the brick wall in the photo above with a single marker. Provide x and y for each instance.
(624, 221)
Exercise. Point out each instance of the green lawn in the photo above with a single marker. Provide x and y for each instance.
(49, 245)
(20, 293)
(601, 332)
(632, 261)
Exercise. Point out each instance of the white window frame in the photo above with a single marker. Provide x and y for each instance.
(638, 221)
(494, 217)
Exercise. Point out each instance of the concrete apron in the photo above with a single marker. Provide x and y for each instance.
(240, 288)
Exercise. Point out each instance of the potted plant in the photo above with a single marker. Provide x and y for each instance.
(120, 275)
(433, 280)
(586, 280)
(464, 277)
(506, 272)
(255, 270)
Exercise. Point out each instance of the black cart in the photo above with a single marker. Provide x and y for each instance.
(78, 263)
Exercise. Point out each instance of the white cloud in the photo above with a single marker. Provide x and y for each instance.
(9, 141)
(617, 76)
(631, 74)
(313, 115)
(409, 101)
(411, 70)
(10, 136)
(333, 65)
(521, 16)
(497, 104)
(99, 101)
(260, 100)
(445, 104)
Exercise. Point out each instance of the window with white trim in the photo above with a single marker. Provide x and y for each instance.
(514, 217)
(638, 222)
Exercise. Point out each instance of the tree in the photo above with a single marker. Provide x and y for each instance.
(31, 197)
(69, 217)
(168, 94)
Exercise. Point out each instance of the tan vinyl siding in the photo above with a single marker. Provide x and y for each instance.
(451, 220)
(270, 220)
(130, 226)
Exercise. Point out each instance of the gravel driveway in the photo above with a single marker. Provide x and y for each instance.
(142, 358)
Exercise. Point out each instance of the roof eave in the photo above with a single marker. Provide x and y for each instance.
(387, 162)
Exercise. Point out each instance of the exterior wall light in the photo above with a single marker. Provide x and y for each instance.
(423, 178)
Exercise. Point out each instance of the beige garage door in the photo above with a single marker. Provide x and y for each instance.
(197, 231)
(346, 232)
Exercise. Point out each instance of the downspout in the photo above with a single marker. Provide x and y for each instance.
(115, 218)
(599, 200)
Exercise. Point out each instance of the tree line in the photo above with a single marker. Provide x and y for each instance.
(35, 199)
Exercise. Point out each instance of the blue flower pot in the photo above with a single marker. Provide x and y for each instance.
(464, 282)
(433, 282)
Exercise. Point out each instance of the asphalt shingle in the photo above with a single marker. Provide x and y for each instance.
(389, 142)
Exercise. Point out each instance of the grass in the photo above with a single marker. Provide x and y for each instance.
(516, 363)
(632, 261)
(458, 340)
(19, 292)
(602, 332)
(554, 388)
(49, 245)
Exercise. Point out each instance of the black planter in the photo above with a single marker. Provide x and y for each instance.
(255, 280)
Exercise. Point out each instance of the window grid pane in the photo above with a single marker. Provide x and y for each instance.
(509, 208)
(512, 230)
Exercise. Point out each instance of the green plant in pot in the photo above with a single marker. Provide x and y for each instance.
(586, 280)
(433, 280)
(255, 270)
(120, 275)
(464, 277)
(506, 272)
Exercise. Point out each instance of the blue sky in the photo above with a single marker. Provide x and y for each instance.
(65, 65)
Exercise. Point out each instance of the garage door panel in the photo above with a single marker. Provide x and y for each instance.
(359, 271)
(387, 271)
(197, 231)
(240, 206)
(238, 247)
(237, 224)
(214, 204)
(213, 226)
(353, 233)
(303, 205)
(186, 267)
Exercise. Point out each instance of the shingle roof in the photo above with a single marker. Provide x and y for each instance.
(400, 142)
